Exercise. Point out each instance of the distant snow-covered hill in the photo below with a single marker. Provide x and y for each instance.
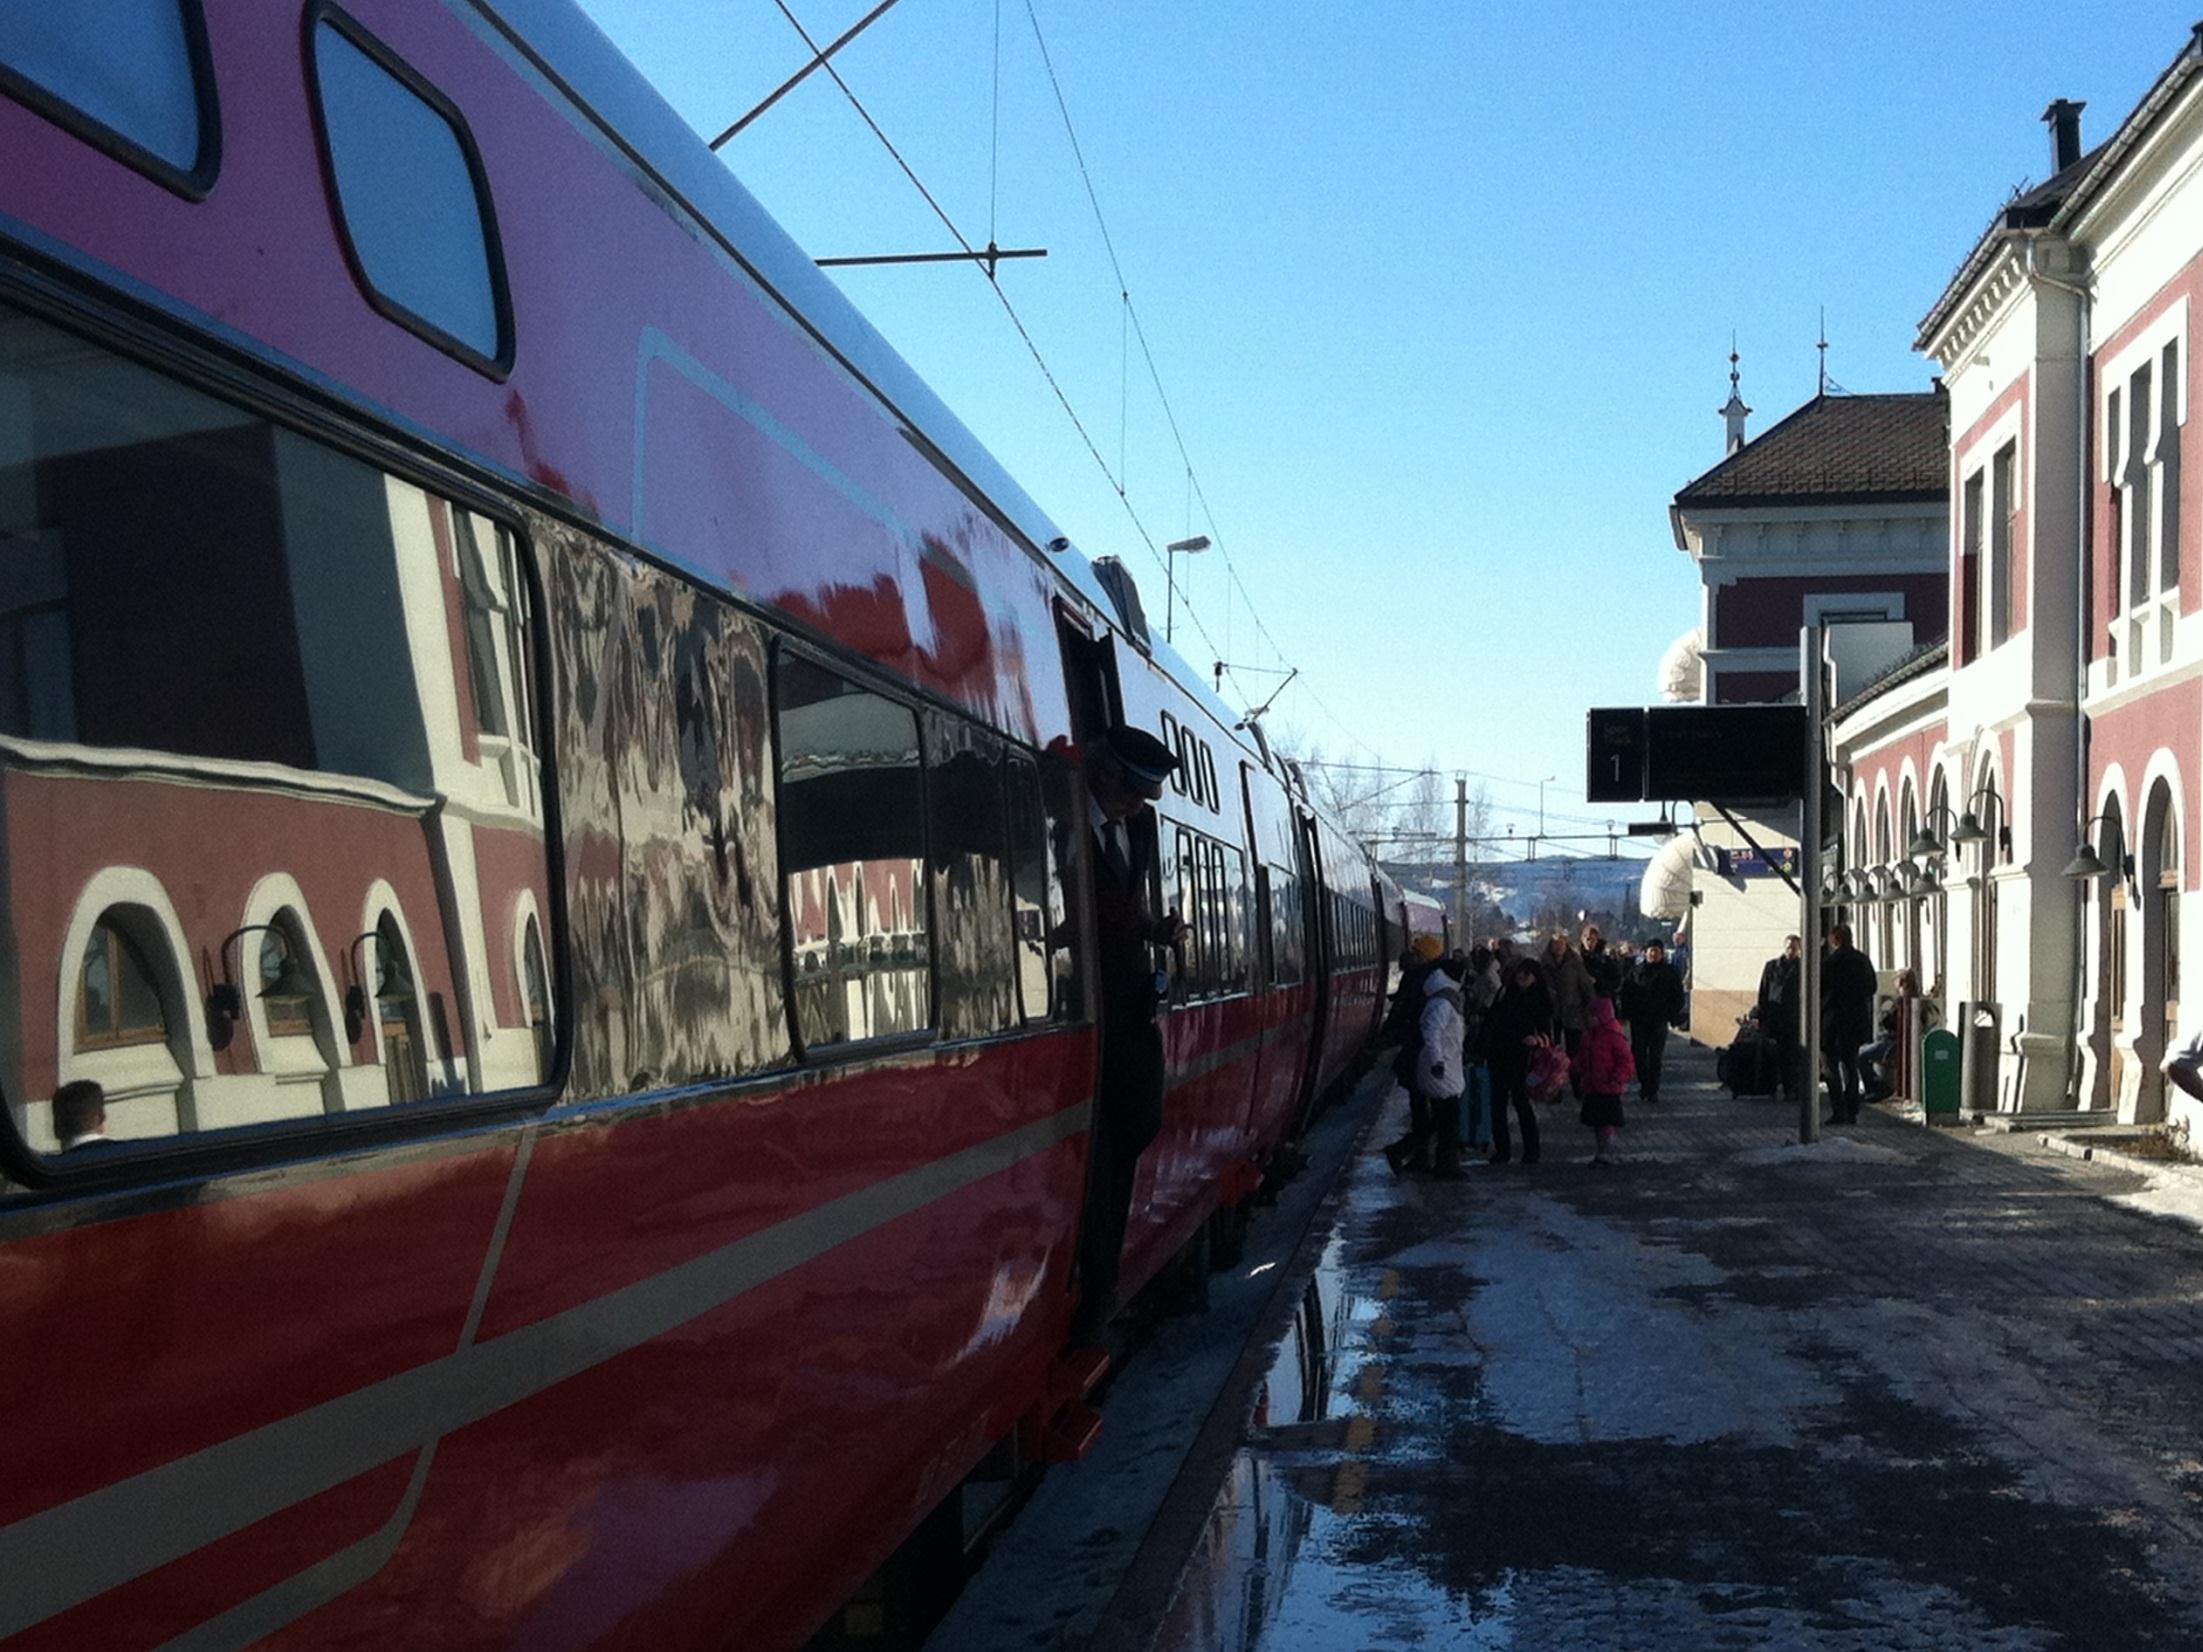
(1553, 887)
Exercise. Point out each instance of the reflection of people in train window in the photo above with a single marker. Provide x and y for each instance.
(80, 1116)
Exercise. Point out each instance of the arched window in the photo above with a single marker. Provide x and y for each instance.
(286, 979)
(118, 1000)
(535, 987)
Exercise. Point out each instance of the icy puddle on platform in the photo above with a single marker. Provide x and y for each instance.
(1555, 1429)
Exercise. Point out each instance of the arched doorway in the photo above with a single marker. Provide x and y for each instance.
(1994, 852)
(2107, 897)
(1936, 953)
(1908, 828)
(2157, 875)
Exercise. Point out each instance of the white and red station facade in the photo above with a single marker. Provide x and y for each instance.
(2067, 708)
(1838, 511)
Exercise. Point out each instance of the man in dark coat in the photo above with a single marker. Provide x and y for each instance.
(1848, 986)
(1781, 985)
(1651, 1001)
(1125, 772)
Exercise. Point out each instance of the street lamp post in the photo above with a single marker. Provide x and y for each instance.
(1173, 551)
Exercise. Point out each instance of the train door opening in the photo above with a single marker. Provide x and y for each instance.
(1317, 945)
(1096, 701)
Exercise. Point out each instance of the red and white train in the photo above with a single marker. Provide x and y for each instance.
(538, 773)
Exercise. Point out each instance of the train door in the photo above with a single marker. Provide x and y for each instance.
(1321, 946)
(1097, 701)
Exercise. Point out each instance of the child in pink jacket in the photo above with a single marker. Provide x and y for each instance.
(1603, 1069)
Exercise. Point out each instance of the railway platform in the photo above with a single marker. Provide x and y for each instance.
(1903, 1389)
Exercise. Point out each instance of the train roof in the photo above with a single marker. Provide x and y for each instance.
(581, 60)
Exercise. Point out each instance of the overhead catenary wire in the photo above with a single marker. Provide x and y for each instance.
(1032, 347)
(1131, 317)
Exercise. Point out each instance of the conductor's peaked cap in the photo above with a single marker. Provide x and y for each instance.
(1143, 757)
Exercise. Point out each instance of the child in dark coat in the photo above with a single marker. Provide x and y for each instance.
(1603, 1068)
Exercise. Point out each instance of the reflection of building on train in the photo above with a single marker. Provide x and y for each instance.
(484, 626)
(275, 838)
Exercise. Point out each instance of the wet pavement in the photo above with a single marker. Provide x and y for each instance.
(1900, 1390)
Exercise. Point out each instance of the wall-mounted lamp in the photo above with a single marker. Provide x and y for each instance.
(390, 977)
(2086, 863)
(226, 1003)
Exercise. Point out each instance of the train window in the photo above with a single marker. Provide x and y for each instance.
(1262, 953)
(1183, 876)
(230, 676)
(1234, 906)
(1036, 893)
(135, 80)
(673, 879)
(411, 196)
(968, 850)
(1216, 921)
(1288, 945)
(852, 819)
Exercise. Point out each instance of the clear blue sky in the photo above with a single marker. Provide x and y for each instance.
(1441, 294)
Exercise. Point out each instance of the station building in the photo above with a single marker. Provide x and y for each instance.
(1837, 512)
(2065, 712)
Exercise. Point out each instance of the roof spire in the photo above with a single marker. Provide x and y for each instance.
(1822, 347)
(1735, 412)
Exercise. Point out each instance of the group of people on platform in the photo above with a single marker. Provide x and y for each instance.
(1491, 1031)
(1854, 1045)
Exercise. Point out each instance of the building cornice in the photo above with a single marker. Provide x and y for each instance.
(1977, 308)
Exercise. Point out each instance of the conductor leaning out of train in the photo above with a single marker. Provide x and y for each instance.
(1125, 773)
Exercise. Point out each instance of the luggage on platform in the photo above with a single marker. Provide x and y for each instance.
(1752, 1065)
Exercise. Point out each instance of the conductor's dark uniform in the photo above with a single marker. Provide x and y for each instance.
(1128, 1102)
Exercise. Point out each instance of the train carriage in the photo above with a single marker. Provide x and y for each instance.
(539, 776)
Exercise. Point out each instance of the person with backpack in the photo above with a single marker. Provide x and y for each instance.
(1403, 1029)
(1603, 1069)
(1435, 1107)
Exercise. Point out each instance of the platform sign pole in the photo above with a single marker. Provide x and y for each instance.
(1812, 656)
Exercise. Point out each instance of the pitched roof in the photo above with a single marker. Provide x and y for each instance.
(2032, 210)
(1838, 450)
(2053, 205)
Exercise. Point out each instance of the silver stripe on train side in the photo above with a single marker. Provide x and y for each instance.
(283, 1604)
(77, 1551)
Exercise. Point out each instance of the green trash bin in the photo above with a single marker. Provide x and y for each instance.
(1939, 1075)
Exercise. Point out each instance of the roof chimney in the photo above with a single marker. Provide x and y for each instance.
(2064, 120)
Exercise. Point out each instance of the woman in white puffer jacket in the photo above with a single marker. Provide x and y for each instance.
(1434, 1108)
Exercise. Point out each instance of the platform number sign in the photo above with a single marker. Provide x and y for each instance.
(1615, 754)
